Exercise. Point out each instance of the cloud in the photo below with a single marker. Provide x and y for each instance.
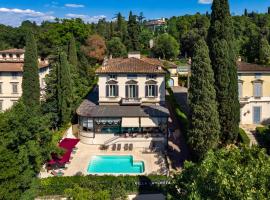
(205, 1)
(71, 5)
(14, 16)
(86, 18)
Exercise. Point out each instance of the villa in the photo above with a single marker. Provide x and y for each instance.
(11, 69)
(128, 106)
(254, 93)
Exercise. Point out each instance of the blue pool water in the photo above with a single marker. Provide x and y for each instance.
(115, 164)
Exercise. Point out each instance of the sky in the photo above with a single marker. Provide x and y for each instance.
(13, 12)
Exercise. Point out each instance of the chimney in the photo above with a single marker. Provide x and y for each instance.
(135, 54)
(105, 63)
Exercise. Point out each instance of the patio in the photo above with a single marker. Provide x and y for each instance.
(154, 162)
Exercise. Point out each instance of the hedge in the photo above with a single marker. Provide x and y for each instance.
(243, 138)
(264, 133)
(130, 184)
(180, 114)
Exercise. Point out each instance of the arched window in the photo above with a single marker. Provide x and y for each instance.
(112, 89)
(151, 89)
(132, 89)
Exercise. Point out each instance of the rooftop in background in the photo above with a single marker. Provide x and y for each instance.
(12, 60)
(133, 64)
(13, 51)
(251, 67)
(156, 22)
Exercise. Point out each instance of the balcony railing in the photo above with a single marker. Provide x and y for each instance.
(131, 101)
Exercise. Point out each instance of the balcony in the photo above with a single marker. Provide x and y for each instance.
(131, 101)
(243, 100)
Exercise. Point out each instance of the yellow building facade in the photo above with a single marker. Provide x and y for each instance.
(254, 93)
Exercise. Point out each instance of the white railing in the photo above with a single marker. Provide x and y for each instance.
(107, 142)
(130, 101)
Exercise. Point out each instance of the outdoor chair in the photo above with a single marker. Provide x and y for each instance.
(126, 147)
(55, 173)
(118, 147)
(130, 147)
(113, 147)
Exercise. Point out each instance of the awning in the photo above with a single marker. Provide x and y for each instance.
(130, 122)
(149, 122)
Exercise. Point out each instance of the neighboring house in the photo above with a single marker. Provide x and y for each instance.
(254, 93)
(156, 24)
(128, 106)
(11, 69)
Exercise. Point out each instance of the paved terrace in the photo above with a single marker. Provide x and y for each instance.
(154, 162)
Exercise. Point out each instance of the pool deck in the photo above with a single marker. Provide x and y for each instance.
(154, 162)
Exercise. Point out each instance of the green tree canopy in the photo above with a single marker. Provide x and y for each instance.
(166, 47)
(234, 173)
(204, 130)
(30, 81)
(72, 52)
(223, 59)
(264, 52)
(116, 48)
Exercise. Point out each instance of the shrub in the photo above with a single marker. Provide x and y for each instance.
(115, 185)
(243, 138)
(264, 133)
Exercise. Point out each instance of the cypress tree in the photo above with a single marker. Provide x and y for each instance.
(133, 33)
(30, 80)
(264, 52)
(223, 58)
(204, 130)
(72, 52)
(64, 89)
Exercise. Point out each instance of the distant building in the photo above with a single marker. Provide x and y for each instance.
(11, 69)
(156, 24)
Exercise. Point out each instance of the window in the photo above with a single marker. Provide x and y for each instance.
(258, 75)
(86, 123)
(14, 88)
(1, 105)
(132, 76)
(240, 89)
(151, 91)
(14, 75)
(4, 55)
(132, 91)
(112, 76)
(1, 88)
(257, 89)
(151, 76)
(18, 56)
(10, 55)
(111, 90)
(239, 76)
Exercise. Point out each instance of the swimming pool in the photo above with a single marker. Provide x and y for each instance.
(115, 165)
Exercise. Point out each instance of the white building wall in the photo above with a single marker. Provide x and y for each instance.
(141, 79)
(7, 97)
(246, 112)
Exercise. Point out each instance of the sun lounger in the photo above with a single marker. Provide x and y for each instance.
(118, 147)
(126, 147)
(130, 147)
(113, 147)
(55, 173)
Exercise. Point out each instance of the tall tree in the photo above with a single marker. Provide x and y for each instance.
(133, 33)
(246, 12)
(166, 46)
(203, 133)
(223, 58)
(64, 89)
(264, 52)
(30, 81)
(72, 52)
(116, 48)
(95, 47)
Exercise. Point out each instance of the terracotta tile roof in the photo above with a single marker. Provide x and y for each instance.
(16, 66)
(131, 65)
(249, 67)
(13, 51)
